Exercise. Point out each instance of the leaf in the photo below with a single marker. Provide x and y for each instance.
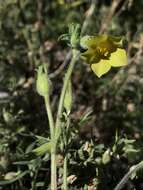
(6, 182)
(21, 163)
(45, 148)
(85, 118)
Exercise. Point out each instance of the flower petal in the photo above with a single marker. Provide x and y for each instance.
(118, 41)
(118, 58)
(101, 68)
(92, 41)
(91, 56)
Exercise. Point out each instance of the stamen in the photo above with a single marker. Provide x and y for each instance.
(106, 53)
(103, 51)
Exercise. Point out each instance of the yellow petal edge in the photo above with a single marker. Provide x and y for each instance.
(101, 68)
(118, 58)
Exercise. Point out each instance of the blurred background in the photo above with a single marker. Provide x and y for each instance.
(107, 114)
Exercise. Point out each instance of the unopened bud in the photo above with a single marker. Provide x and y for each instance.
(68, 98)
(106, 157)
(74, 30)
(42, 83)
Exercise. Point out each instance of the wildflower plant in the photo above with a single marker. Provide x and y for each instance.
(101, 52)
(95, 126)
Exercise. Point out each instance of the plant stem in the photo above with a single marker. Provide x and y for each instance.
(53, 147)
(132, 170)
(65, 174)
(62, 96)
(55, 128)
(34, 181)
(50, 116)
(53, 171)
(65, 184)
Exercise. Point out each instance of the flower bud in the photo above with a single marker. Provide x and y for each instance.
(106, 157)
(74, 31)
(68, 98)
(42, 83)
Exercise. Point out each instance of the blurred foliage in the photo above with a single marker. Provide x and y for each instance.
(105, 142)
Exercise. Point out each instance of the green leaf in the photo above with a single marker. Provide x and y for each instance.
(86, 117)
(45, 148)
(6, 182)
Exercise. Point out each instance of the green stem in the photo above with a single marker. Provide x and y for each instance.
(50, 116)
(63, 92)
(53, 171)
(34, 180)
(65, 169)
(60, 109)
(54, 129)
(132, 170)
(53, 147)
(65, 187)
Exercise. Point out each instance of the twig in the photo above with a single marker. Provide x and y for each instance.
(107, 21)
(132, 170)
(89, 14)
(61, 67)
(39, 10)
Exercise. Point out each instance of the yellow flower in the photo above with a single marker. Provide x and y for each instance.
(103, 52)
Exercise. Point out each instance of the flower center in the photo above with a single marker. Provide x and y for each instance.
(103, 51)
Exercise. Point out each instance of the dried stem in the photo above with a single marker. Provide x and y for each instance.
(132, 170)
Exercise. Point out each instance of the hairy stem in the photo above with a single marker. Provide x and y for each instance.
(63, 92)
(53, 171)
(65, 171)
(50, 116)
(53, 147)
(55, 128)
(65, 174)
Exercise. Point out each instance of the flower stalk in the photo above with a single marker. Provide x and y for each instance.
(53, 148)
(65, 187)
(56, 128)
(75, 55)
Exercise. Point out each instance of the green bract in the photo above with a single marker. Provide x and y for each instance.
(73, 36)
(74, 32)
(42, 83)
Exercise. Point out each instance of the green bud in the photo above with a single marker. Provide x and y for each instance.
(8, 117)
(10, 175)
(68, 98)
(106, 157)
(74, 32)
(42, 83)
